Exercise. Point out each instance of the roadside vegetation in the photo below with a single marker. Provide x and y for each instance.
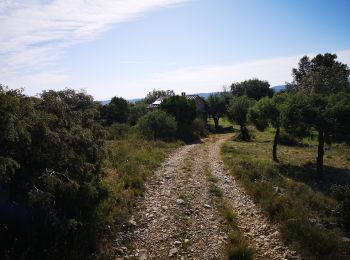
(307, 210)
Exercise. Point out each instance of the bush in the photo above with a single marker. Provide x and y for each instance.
(184, 112)
(198, 128)
(342, 194)
(117, 131)
(51, 154)
(287, 139)
(157, 125)
(238, 248)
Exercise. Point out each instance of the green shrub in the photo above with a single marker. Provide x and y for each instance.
(342, 193)
(287, 139)
(198, 128)
(117, 131)
(157, 125)
(238, 248)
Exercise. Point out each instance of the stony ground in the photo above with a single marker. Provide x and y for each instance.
(176, 219)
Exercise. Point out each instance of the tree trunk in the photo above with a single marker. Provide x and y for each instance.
(275, 142)
(320, 153)
(216, 122)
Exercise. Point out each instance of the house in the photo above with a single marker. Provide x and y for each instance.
(199, 101)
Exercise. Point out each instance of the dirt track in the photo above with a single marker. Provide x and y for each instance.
(176, 219)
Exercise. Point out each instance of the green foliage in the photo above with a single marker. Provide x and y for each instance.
(320, 75)
(198, 128)
(118, 131)
(268, 112)
(184, 112)
(287, 139)
(155, 94)
(136, 111)
(342, 193)
(51, 151)
(253, 88)
(116, 111)
(217, 104)
(157, 125)
(238, 248)
(328, 115)
(237, 111)
(304, 213)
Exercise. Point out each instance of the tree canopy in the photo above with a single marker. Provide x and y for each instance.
(237, 111)
(217, 107)
(322, 74)
(253, 88)
(116, 111)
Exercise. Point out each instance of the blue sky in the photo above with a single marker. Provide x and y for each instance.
(129, 47)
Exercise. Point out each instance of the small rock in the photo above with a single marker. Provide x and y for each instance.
(177, 242)
(132, 222)
(207, 206)
(164, 207)
(173, 252)
(180, 201)
(143, 254)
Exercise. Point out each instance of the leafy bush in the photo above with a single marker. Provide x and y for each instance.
(117, 131)
(184, 112)
(51, 154)
(342, 193)
(287, 139)
(198, 128)
(157, 125)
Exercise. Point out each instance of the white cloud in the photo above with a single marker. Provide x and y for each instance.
(212, 78)
(34, 33)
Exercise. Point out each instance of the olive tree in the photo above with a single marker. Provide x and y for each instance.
(267, 112)
(237, 111)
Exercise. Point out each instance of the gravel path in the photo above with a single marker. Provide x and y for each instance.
(176, 220)
(262, 235)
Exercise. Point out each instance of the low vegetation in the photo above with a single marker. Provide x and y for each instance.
(131, 161)
(307, 209)
(237, 247)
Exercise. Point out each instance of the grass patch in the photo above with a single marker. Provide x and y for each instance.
(289, 194)
(131, 161)
(238, 248)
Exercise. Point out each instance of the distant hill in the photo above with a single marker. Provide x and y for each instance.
(279, 88)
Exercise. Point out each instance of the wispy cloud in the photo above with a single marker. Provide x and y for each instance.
(34, 33)
(211, 78)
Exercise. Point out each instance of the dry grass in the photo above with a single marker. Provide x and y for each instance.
(289, 193)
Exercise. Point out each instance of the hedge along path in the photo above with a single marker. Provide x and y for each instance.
(176, 218)
(263, 235)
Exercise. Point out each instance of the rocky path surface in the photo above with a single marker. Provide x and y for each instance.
(262, 235)
(176, 220)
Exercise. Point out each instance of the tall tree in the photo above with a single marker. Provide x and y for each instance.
(116, 111)
(328, 115)
(237, 111)
(253, 88)
(268, 112)
(217, 107)
(184, 111)
(321, 75)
